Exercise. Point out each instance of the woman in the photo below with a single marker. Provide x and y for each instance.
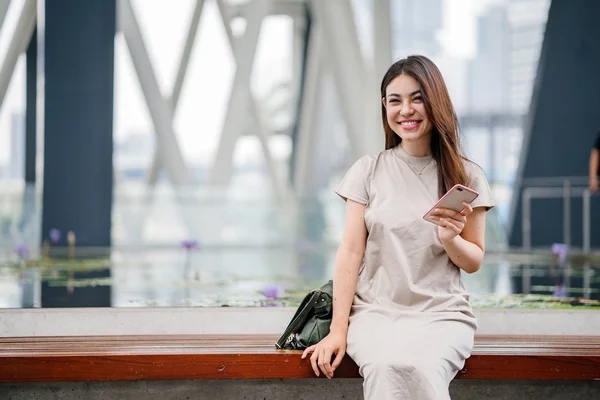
(400, 309)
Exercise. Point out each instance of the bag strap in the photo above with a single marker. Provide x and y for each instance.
(307, 305)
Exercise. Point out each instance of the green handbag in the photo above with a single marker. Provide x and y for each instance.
(311, 321)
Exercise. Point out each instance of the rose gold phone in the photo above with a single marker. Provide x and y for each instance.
(453, 200)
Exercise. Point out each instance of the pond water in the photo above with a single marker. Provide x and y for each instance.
(260, 277)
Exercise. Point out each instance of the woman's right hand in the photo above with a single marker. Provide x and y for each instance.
(322, 352)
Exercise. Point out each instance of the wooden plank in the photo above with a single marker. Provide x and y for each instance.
(264, 344)
(92, 358)
(484, 366)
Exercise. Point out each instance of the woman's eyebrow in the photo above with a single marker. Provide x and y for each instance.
(412, 94)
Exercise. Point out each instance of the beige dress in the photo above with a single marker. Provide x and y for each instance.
(411, 325)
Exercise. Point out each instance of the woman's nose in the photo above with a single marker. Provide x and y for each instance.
(406, 109)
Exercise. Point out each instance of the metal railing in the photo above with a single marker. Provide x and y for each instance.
(547, 188)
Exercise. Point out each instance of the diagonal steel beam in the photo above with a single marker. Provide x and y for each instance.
(4, 4)
(18, 45)
(347, 63)
(260, 126)
(239, 98)
(160, 109)
(309, 110)
(179, 80)
(186, 54)
(161, 113)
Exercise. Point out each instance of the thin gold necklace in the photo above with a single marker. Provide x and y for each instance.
(406, 158)
(419, 172)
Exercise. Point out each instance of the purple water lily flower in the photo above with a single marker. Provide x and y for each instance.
(54, 235)
(272, 292)
(189, 244)
(22, 250)
(560, 250)
(560, 292)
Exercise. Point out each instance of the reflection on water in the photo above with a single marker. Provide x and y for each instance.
(254, 277)
(252, 251)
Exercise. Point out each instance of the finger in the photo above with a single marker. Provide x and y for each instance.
(327, 363)
(454, 217)
(309, 350)
(446, 212)
(452, 225)
(458, 218)
(323, 362)
(338, 359)
(468, 210)
(313, 363)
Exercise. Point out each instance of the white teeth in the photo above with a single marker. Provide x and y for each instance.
(408, 123)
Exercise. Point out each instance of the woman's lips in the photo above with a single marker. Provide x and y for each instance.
(409, 125)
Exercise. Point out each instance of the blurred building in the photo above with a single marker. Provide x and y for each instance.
(527, 20)
(489, 71)
(509, 41)
(414, 27)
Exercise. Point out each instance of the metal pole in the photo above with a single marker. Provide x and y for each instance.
(526, 231)
(586, 243)
(567, 230)
(567, 213)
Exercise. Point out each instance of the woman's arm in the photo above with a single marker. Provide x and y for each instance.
(347, 264)
(463, 236)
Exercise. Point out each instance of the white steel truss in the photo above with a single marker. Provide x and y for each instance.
(161, 111)
(333, 49)
(242, 104)
(19, 43)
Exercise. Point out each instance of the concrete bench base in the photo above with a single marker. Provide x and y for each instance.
(285, 389)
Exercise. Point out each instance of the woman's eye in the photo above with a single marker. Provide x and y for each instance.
(418, 99)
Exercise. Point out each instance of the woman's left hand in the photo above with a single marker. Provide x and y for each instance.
(451, 223)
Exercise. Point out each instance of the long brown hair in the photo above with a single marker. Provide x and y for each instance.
(445, 143)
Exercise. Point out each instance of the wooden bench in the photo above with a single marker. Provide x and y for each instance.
(101, 358)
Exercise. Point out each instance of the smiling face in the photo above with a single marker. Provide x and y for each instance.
(406, 113)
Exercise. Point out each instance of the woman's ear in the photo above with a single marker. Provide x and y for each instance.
(383, 102)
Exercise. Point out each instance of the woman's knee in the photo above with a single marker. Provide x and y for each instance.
(411, 369)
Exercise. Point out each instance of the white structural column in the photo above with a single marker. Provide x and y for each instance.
(179, 80)
(382, 59)
(4, 4)
(300, 27)
(160, 108)
(382, 37)
(347, 64)
(237, 116)
(307, 126)
(18, 44)
(259, 126)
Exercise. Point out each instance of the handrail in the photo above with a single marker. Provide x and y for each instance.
(566, 192)
(556, 181)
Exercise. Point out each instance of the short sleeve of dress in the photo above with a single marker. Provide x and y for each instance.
(597, 142)
(479, 183)
(354, 186)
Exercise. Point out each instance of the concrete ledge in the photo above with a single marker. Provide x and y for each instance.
(277, 389)
(251, 321)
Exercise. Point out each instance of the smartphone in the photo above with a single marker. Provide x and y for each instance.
(452, 200)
